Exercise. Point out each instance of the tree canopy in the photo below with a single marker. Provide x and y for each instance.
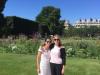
(2, 5)
(50, 16)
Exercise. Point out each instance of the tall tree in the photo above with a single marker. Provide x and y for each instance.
(2, 6)
(49, 16)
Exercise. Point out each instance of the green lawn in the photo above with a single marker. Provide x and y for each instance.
(16, 64)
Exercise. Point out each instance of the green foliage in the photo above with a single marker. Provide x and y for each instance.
(16, 26)
(82, 48)
(91, 31)
(81, 53)
(70, 52)
(44, 31)
(19, 46)
(2, 21)
(2, 5)
(50, 16)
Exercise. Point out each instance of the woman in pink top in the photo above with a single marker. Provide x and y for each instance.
(58, 57)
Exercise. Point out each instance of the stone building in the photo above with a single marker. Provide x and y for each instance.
(67, 24)
(87, 23)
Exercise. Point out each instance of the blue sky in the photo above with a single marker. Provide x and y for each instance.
(71, 10)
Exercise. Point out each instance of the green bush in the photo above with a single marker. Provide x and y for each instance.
(19, 46)
(82, 48)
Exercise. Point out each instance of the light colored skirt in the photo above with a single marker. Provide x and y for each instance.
(45, 69)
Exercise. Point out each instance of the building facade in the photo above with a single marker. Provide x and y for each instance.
(82, 23)
(67, 24)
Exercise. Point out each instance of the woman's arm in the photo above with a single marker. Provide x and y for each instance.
(63, 68)
(63, 56)
(38, 61)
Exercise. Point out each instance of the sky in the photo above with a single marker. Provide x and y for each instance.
(71, 10)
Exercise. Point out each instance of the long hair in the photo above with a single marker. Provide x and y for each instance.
(60, 44)
(43, 42)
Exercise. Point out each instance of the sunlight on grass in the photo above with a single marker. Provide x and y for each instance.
(20, 64)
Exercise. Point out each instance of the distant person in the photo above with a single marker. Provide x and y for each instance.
(43, 59)
(58, 57)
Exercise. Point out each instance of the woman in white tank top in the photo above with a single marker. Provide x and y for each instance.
(43, 59)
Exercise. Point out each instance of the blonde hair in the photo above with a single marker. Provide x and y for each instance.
(43, 43)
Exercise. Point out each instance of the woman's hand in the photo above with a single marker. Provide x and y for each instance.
(38, 70)
(62, 71)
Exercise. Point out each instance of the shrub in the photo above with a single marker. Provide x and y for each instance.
(82, 48)
(19, 46)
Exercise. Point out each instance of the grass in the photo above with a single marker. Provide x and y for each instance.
(20, 64)
(17, 64)
(77, 66)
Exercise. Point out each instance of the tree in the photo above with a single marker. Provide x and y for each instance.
(61, 27)
(2, 6)
(49, 16)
